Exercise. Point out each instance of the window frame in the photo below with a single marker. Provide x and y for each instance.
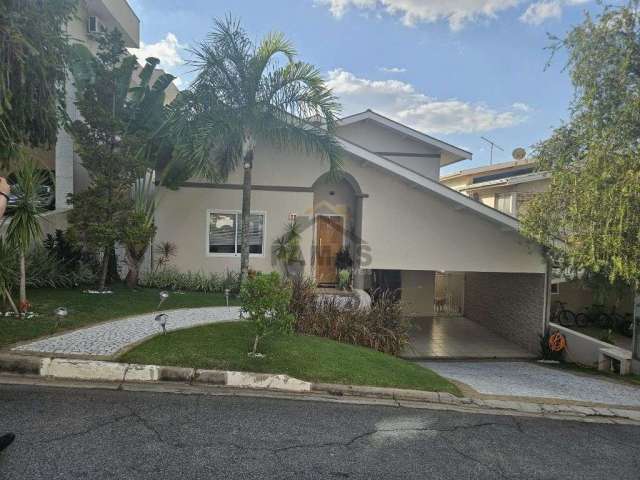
(238, 213)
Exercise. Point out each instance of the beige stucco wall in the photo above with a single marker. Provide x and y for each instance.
(377, 138)
(403, 227)
(417, 292)
(182, 219)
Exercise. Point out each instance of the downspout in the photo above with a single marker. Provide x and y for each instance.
(547, 295)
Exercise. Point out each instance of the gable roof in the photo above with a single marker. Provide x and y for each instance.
(512, 164)
(369, 115)
(461, 200)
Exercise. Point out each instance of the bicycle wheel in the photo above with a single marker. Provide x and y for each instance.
(604, 320)
(620, 324)
(582, 320)
(566, 318)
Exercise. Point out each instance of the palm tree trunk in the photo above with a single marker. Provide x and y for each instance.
(105, 268)
(23, 281)
(246, 212)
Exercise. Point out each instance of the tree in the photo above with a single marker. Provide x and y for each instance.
(24, 227)
(33, 59)
(589, 216)
(116, 145)
(243, 96)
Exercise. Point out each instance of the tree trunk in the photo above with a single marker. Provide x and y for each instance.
(105, 268)
(246, 211)
(133, 263)
(636, 332)
(23, 281)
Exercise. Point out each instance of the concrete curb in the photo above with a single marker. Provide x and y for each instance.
(123, 373)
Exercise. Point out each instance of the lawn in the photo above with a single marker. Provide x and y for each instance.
(85, 309)
(224, 346)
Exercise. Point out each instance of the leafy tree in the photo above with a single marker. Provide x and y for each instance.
(24, 227)
(593, 201)
(243, 95)
(34, 54)
(115, 140)
(265, 299)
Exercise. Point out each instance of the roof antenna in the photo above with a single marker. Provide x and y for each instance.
(493, 144)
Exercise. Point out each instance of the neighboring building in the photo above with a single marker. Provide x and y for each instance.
(401, 225)
(91, 17)
(507, 186)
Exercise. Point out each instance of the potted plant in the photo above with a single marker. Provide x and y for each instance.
(344, 264)
(287, 250)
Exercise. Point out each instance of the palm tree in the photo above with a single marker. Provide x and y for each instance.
(24, 227)
(246, 94)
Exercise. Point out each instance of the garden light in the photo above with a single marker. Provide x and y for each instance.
(162, 318)
(163, 296)
(60, 313)
(226, 295)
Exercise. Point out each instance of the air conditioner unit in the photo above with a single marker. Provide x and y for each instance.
(94, 25)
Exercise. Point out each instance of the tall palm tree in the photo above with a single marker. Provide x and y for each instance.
(24, 227)
(246, 94)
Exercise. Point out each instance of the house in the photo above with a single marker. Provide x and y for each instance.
(400, 223)
(507, 186)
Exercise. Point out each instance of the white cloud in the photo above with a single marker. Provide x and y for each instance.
(168, 51)
(539, 12)
(402, 102)
(523, 107)
(392, 69)
(456, 12)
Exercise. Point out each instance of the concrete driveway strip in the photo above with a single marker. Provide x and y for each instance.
(106, 434)
(524, 379)
(108, 338)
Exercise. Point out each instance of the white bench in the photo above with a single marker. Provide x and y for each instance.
(606, 357)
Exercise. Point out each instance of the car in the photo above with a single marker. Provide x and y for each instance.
(47, 191)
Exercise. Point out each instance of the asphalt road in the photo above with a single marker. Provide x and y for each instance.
(103, 434)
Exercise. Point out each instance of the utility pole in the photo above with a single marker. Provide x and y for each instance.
(493, 144)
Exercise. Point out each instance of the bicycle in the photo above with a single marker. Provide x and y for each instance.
(594, 315)
(622, 324)
(563, 316)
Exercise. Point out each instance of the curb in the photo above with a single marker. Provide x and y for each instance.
(103, 371)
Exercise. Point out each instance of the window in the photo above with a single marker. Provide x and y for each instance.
(504, 203)
(555, 289)
(225, 229)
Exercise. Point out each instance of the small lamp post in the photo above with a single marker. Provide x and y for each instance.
(60, 313)
(226, 296)
(163, 296)
(161, 318)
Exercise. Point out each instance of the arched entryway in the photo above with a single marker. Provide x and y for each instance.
(337, 211)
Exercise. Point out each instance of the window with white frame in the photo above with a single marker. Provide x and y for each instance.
(225, 230)
(505, 203)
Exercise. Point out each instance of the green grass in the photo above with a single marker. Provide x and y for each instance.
(224, 346)
(85, 309)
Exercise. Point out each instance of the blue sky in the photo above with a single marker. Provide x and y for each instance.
(455, 69)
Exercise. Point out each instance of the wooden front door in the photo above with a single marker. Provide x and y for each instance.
(330, 233)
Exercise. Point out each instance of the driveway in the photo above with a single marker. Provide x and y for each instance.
(106, 434)
(457, 337)
(525, 379)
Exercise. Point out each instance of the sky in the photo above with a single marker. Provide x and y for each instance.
(457, 70)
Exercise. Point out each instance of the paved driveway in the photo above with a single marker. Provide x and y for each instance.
(524, 379)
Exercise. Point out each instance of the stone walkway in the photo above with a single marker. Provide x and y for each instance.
(524, 379)
(106, 339)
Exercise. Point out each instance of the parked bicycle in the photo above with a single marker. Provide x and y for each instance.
(563, 316)
(622, 324)
(594, 315)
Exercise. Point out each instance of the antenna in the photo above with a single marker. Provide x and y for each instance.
(493, 144)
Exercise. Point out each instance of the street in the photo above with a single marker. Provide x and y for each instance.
(106, 434)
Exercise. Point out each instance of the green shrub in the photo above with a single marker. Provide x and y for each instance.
(344, 279)
(265, 300)
(382, 328)
(172, 279)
